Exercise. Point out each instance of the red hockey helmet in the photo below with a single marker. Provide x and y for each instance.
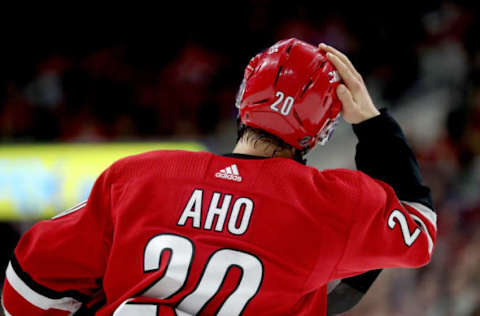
(289, 91)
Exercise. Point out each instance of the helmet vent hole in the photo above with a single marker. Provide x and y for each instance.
(279, 73)
(297, 117)
(325, 99)
(306, 88)
(289, 48)
(261, 101)
(323, 63)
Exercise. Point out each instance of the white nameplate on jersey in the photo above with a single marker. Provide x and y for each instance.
(238, 222)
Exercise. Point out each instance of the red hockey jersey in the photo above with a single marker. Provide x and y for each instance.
(183, 233)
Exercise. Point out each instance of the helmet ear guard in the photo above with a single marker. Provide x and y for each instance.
(241, 91)
(290, 91)
(327, 130)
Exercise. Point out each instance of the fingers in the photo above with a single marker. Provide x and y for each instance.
(352, 82)
(342, 57)
(345, 97)
(357, 105)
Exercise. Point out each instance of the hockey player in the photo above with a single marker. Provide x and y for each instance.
(254, 232)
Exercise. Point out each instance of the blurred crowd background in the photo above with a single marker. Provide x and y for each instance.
(178, 80)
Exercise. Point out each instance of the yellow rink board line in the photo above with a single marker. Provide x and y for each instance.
(41, 180)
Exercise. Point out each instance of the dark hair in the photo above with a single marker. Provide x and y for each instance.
(250, 134)
(254, 134)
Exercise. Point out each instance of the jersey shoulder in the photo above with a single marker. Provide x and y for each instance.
(347, 177)
(159, 155)
(339, 179)
(159, 162)
(350, 186)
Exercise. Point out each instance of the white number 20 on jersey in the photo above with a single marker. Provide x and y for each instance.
(286, 103)
(211, 280)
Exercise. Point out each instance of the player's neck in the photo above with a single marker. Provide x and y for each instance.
(261, 149)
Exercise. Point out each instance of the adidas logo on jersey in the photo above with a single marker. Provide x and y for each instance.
(229, 173)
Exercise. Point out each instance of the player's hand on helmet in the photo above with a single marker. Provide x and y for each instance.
(357, 105)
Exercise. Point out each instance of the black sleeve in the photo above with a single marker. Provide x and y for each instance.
(382, 152)
(342, 299)
(349, 292)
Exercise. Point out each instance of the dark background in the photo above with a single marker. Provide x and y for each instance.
(91, 74)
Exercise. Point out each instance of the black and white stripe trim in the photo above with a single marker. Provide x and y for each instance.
(429, 215)
(427, 233)
(71, 210)
(40, 296)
